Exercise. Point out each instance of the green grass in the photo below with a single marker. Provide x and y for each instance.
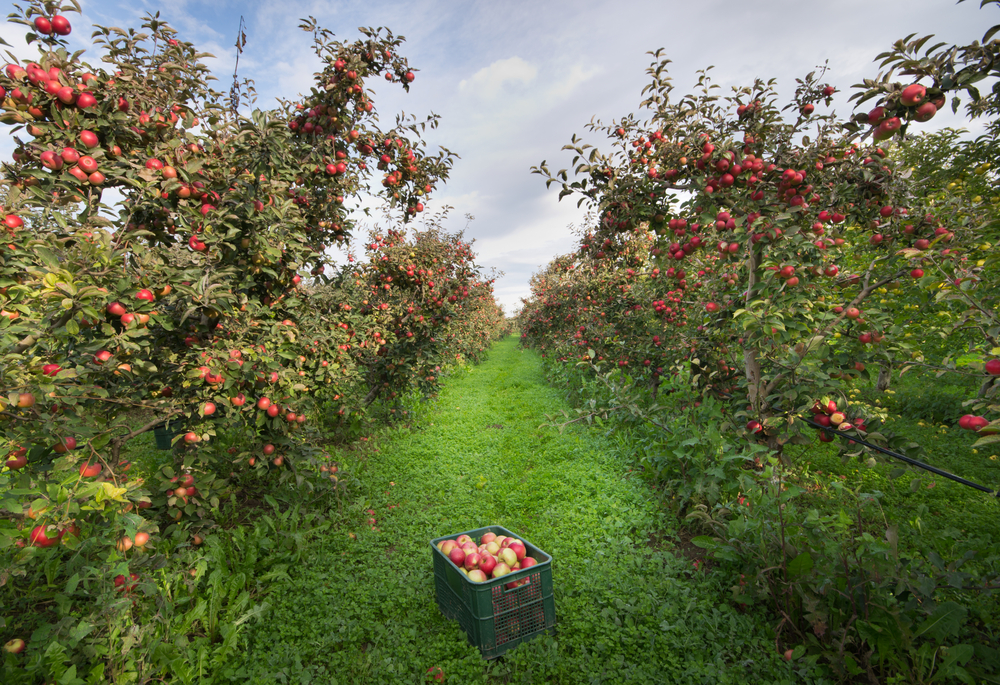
(947, 516)
(360, 607)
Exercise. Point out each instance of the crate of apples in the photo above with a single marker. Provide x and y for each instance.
(496, 585)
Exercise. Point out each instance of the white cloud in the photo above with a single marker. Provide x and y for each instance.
(488, 81)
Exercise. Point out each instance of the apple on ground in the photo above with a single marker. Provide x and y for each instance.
(15, 646)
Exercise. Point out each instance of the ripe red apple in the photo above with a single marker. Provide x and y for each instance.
(273, 410)
(208, 409)
(518, 549)
(268, 450)
(239, 400)
(993, 367)
(43, 25)
(712, 307)
(145, 294)
(853, 313)
(925, 112)
(487, 563)
(528, 562)
(447, 546)
(917, 273)
(89, 139)
(64, 445)
(17, 459)
(191, 437)
(88, 470)
(913, 95)
(472, 561)
(116, 309)
(263, 403)
(61, 25)
(462, 539)
(977, 423)
(39, 538)
(141, 539)
(457, 556)
(88, 164)
(50, 160)
(25, 400)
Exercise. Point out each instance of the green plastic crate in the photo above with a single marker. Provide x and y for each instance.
(494, 617)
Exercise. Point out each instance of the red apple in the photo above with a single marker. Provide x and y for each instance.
(239, 400)
(913, 95)
(208, 409)
(61, 25)
(43, 25)
(487, 563)
(89, 139)
(457, 556)
(64, 445)
(88, 470)
(39, 538)
(263, 403)
(447, 546)
(191, 437)
(273, 410)
(25, 400)
(472, 561)
(993, 367)
(88, 164)
(17, 459)
(518, 549)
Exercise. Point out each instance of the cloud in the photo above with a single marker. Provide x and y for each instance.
(488, 81)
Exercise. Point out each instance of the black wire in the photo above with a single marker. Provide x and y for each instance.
(908, 460)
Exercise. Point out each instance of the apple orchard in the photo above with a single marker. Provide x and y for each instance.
(204, 300)
(747, 246)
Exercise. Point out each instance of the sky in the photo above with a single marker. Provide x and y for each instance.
(513, 80)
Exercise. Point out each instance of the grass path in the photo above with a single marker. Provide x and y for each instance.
(363, 610)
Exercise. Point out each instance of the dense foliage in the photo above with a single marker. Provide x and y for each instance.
(753, 271)
(165, 265)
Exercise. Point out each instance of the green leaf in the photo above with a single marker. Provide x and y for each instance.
(705, 542)
(944, 622)
(801, 564)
